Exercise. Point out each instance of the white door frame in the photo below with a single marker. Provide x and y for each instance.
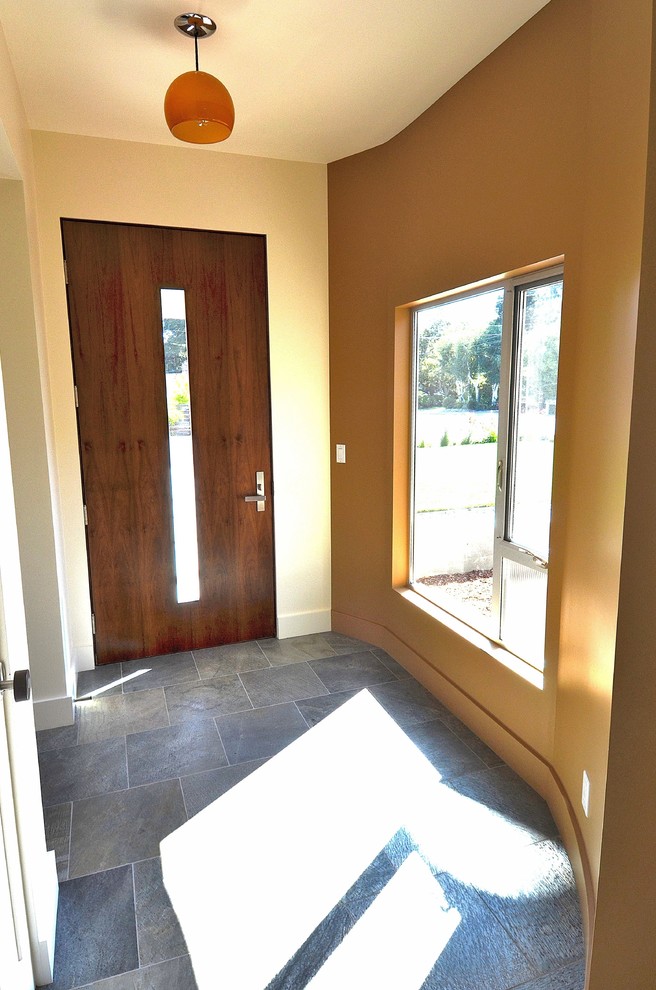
(34, 900)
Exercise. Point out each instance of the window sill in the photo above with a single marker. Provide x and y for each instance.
(475, 638)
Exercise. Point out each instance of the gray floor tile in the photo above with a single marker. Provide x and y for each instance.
(391, 663)
(568, 978)
(101, 681)
(174, 751)
(232, 659)
(112, 829)
(314, 710)
(480, 953)
(171, 668)
(80, 771)
(350, 671)
(200, 789)
(487, 755)
(407, 701)
(503, 791)
(175, 974)
(543, 915)
(206, 699)
(276, 686)
(259, 734)
(96, 930)
(341, 643)
(158, 932)
(296, 650)
(57, 820)
(501, 941)
(118, 715)
(446, 752)
(125, 981)
(60, 738)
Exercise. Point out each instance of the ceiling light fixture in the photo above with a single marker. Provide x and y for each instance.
(198, 108)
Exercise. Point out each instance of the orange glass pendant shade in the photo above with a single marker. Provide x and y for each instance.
(199, 109)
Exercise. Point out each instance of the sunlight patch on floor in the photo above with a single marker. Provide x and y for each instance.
(97, 692)
(277, 852)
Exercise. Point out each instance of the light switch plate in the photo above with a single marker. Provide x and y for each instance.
(340, 453)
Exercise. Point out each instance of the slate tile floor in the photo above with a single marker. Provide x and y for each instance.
(156, 741)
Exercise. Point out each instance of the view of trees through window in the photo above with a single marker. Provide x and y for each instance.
(486, 368)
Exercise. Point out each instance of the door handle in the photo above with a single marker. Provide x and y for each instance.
(20, 683)
(540, 561)
(259, 496)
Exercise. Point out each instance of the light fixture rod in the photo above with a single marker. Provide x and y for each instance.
(195, 26)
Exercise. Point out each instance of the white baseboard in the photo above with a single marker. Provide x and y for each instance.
(43, 922)
(304, 624)
(84, 659)
(53, 713)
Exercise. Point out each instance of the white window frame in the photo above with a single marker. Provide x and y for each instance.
(509, 384)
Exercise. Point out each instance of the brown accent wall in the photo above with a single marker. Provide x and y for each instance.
(539, 152)
(625, 930)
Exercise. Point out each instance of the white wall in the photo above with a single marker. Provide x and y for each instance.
(26, 417)
(101, 179)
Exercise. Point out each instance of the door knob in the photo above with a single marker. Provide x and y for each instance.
(20, 683)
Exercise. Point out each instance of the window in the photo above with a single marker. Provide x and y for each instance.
(181, 451)
(485, 368)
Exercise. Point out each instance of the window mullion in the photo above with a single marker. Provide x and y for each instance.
(503, 450)
(413, 446)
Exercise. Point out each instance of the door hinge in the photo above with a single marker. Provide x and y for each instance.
(86, 516)
(93, 624)
(77, 398)
(65, 271)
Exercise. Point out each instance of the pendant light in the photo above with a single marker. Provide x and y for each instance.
(198, 108)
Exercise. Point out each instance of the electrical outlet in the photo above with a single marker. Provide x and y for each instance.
(585, 794)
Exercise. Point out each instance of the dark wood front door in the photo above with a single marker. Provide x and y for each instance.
(115, 275)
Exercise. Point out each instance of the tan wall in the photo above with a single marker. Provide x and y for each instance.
(100, 179)
(539, 152)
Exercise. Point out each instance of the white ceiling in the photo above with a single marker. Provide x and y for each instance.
(312, 80)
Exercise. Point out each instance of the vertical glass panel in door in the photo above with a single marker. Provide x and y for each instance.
(457, 378)
(537, 312)
(181, 452)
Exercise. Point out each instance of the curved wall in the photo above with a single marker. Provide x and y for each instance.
(538, 153)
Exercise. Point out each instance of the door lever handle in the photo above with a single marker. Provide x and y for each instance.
(20, 683)
(259, 497)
